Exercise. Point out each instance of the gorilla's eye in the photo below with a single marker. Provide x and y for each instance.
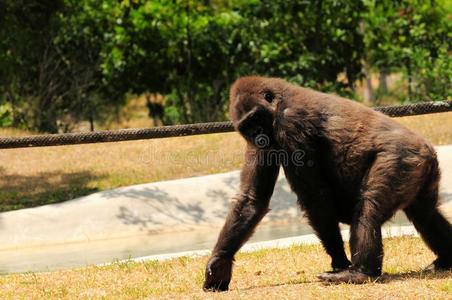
(269, 96)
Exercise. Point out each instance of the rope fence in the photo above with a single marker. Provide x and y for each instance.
(107, 136)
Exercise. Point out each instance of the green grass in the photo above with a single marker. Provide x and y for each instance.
(36, 176)
(266, 274)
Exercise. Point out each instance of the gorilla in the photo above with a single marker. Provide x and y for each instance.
(359, 167)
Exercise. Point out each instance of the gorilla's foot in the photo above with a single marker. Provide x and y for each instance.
(439, 265)
(218, 275)
(346, 276)
(340, 265)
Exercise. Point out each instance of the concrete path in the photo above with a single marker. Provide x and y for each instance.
(178, 205)
(306, 239)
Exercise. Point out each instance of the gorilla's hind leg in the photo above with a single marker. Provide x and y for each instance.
(379, 199)
(365, 244)
(435, 230)
(433, 227)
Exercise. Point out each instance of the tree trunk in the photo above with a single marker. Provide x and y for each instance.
(11, 97)
(91, 122)
(318, 25)
(369, 97)
(183, 106)
(190, 93)
(383, 82)
(217, 107)
(368, 92)
(410, 80)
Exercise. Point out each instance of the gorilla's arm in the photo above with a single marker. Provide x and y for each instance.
(258, 180)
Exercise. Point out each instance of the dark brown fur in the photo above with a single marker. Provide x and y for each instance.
(359, 167)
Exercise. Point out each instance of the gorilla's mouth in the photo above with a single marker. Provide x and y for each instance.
(256, 126)
(257, 131)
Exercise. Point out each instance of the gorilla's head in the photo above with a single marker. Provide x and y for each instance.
(253, 102)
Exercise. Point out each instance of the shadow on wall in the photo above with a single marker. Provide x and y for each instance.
(24, 191)
(156, 206)
(161, 203)
(282, 200)
(198, 203)
(445, 197)
(161, 208)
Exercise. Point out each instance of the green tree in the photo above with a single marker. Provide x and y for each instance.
(183, 49)
(52, 64)
(192, 51)
(30, 73)
(411, 36)
(309, 42)
(66, 61)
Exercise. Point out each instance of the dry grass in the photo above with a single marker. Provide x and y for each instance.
(39, 176)
(267, 274)
(435, 127)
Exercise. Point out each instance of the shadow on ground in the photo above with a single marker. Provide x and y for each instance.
(160, 203)
(19, 191)
(385, 278)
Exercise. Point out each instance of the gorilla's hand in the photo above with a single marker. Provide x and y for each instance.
(218, 274)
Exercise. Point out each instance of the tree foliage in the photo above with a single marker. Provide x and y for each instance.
(69, 60)
(192, 50)
(412, 37)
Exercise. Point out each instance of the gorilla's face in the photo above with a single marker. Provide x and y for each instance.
(253, 102)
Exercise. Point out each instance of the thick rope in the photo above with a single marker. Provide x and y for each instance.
(421, 108)
(184, 130)
(106, 136)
